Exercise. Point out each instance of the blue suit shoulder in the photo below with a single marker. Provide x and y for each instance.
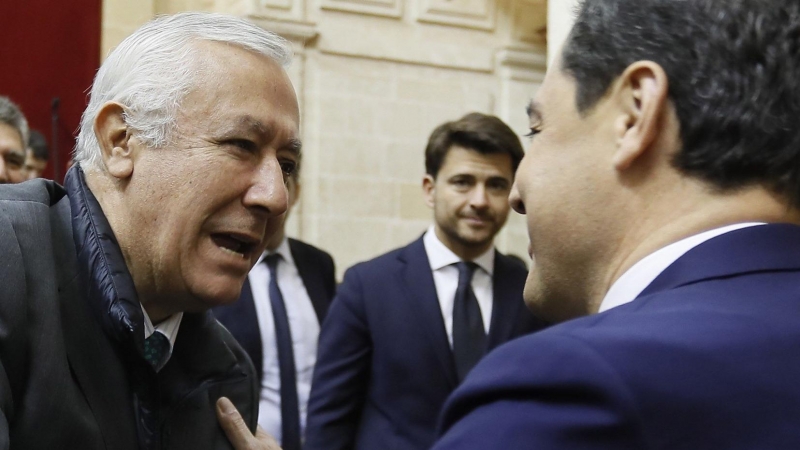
(660, 372)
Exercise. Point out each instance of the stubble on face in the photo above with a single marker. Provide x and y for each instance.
(470, 200)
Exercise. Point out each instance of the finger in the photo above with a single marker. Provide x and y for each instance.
(265, 438)
(233, 424)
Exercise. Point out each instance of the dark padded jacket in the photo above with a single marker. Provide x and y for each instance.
(71, 339)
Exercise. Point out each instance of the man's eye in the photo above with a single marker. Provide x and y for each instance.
(533, 132)
(243, 144)
(13, 161)
(288, 167)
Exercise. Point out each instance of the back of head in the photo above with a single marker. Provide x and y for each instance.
(732, 67)
(480, 132)
(152, 70)
(11, 115)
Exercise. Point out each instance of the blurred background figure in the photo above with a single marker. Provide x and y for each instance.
(406, 327)
(37, 155)
(13, 140)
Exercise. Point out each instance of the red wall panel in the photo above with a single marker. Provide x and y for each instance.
(50, 49)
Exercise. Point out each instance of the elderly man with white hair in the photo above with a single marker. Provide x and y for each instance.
(106, 341)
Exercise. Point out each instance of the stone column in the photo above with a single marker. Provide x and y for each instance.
(560, 17)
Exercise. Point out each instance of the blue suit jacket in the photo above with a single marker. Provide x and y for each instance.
(317, 271)
(707, 357)
(384, 365)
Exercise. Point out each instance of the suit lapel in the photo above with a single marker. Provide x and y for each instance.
(311, 275)
(505, 304)
(417, 279)
(241, 320)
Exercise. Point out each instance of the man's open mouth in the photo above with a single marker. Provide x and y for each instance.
(236, 244)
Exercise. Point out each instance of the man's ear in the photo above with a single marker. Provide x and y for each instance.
(642, 91)
(114, 138)
(428, 189)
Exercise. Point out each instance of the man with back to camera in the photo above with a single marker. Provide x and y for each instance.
(13, 141)
(36, 156)
(277, 321)
(406, 327)
(664, 197)
(190, 131)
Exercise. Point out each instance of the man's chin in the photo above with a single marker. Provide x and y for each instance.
(210, 296)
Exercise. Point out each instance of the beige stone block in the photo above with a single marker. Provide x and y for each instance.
(403, 233)
(400, 120)
(332, 115)
(361, 116)
(352, 156)
(406, 160)
(412, 202)
(351, 240)
(127, 12)
(346, 197)
(429, 92)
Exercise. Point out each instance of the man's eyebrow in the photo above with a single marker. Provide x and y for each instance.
(252, 124)
(534, 111)
(295, 146)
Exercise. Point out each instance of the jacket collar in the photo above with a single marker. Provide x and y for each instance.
(755, 249)
(112, 295)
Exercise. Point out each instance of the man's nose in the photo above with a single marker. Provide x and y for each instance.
(478, 198)
(515, 200)
(267, 192)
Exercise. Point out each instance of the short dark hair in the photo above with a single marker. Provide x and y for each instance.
(475, 131)
(38, 144)
(733, 70)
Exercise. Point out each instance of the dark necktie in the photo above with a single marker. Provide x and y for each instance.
(469, 337)
(156, 349)
(290, 413)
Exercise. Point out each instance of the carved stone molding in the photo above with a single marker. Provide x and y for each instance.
(524, 64)
(382, 8)
(478, 14)
(300, 33)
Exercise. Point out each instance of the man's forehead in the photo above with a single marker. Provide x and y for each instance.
(10, 139)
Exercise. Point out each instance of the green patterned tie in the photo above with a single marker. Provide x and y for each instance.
(156, 350)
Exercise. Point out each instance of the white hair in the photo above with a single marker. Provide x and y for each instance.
(152, 70)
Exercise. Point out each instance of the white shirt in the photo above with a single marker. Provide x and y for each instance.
(168, 327)
(304, 326)
(445, 277)
(641, 274)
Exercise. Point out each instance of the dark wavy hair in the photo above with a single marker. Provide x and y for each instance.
(734, 79)
(475, 131)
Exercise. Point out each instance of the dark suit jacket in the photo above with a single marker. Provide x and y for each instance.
(318, 273)
(384, 365)
(67, 373)
(707, 357)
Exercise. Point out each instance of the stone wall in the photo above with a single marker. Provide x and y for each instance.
(374, 77)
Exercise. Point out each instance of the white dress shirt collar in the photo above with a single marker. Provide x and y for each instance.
(641, 274)
(283, 250)
(168, 327)
(440, 256)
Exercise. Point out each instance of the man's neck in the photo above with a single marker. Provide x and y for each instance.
(672, 224)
